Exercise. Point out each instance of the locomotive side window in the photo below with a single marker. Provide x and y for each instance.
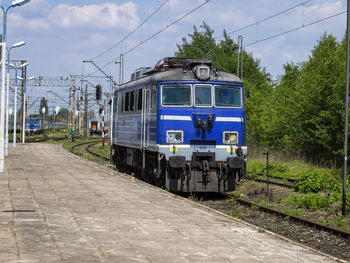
(228, 96)
(126, 101)
(153, 97)
(176, 95)
(203, 95)
(122, 102)
(139, 100)
(132, 101)
(115, 102)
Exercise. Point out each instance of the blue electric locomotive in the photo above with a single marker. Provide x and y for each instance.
(181, 125)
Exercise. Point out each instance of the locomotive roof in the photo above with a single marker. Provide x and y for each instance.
(178, 72)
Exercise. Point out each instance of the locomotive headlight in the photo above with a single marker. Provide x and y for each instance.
(174, 136)
(230, 137)
(202, 72)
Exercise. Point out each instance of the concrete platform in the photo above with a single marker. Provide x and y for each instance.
(56, 207)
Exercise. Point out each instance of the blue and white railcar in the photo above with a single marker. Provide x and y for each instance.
(181, 125)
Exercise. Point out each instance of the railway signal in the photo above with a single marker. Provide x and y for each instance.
(98, 93)
(101, 111)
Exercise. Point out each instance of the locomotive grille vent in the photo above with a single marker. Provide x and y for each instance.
(139, 73)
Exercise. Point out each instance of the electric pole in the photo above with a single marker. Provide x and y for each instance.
(69, 109)
(80, 101)
(346, 117)
(86, 112)
(24, 76)
(73, 111)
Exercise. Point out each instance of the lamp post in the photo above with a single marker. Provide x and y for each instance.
(43, 110)
(2, 111)
(57, 109)
(15, 111)
(24, 105)
(19, 44)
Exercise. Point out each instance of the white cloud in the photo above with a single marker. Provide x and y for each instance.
(34, 24)
(101, 16)
(324, 9)
(287, 56)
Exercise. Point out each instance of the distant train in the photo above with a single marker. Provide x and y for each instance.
(95, 127)
(33, 124)
(181, 125)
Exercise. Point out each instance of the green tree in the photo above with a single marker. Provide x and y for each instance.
(63, 115)
(322, 98)
(305, 113)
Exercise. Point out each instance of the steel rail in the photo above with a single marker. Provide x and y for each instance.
(291, 180)
(270, 182)
(297, 219)
(87, 148)
(96, 154)
(81, 144)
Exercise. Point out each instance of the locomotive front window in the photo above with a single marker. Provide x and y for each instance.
(203, 95)
(176, 95)
(228, 96)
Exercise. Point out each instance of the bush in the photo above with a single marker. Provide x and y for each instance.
(255, 167)
(276, 168)
(316, 180)
(311, 201)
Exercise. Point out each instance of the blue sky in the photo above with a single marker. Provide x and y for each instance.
(60, 34)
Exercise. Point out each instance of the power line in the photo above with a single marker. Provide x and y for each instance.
(296, 28)
(265, 19)
(128, 35)
(154, 35)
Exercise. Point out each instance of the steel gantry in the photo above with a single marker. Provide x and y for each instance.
(47, 82)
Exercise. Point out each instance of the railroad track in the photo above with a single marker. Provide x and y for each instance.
(88, 145)
(297, 219)
(283, 183)
(30, 140)
(95, 154)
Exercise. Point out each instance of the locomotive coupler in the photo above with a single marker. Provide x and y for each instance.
(205, 173)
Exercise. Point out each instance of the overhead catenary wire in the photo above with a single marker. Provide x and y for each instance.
(265, 19)
(154, 35)
(295, 29)
(133, 31)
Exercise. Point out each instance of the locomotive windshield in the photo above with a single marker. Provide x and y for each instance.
(181, 95)
(227, 96)
(203, 95)
(176, 95)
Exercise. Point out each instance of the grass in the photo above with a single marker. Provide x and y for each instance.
(104, 151)
(277, 168)
(229, 213)
(317, 192)
(68, 144)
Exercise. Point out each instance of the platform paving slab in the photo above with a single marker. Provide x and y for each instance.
(57, 207)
